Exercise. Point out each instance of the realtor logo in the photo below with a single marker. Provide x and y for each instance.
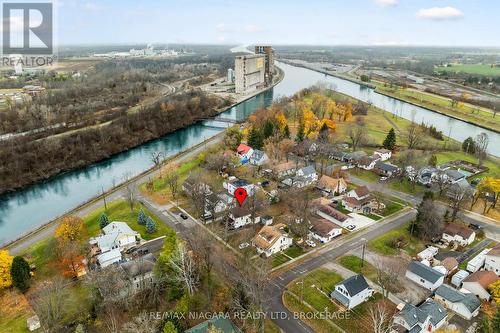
(27, 28)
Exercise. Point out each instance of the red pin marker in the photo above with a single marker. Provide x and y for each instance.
(240, 194)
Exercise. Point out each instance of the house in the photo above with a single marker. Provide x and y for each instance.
(324, 230)
(116, 235)
(233, 183)
(426, 175)
(359, 193)
(427, 317)
(428, 253)
(492, 260)
(478, 282)
(216, 324)
(465, 305)
(218, 203)
(384, 154)
(478, 261)
(109, 257)
(368, 162)
(258, 157)
(424, 275)
(244, 152)
(352, 291)
(138, 273)
(308, 172)
(354, 157)
(458, 233)
(337, 155)
(458, 277)
(285, 169)
(272, 239)
(241, 216)
(329, 185)
(457, 190)
(331, 214)
(386, 169)
(453, 176)
(266, 220)
(193, 185)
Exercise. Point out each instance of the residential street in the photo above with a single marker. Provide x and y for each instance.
(278, 284)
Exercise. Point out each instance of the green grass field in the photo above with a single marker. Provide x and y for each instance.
(476, 69)
(353, 263)
(382, 244)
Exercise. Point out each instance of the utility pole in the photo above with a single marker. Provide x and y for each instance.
(363, 255)
(104, 198)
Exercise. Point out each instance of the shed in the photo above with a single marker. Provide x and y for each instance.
(458, 277)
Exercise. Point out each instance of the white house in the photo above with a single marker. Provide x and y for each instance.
(272, 239)
(359, 193)
(384, 154)
(333, 215)
(458, 233)
(478, 261)
(244, 152)
(285, 169)
(324, 230)
(427, 317)
(478, 282)
(368, 162)
(308, 172)
(465, 305)
(258, 157)
(218, 203)
(240, 217)
(352, 291)
(424, 276)
(116, 235)
(492, 260)
(458, 277)
(109, 257)
(233, 183)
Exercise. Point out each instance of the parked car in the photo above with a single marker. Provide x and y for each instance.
(310, 243)
(351, 227)
(183, 216)
(243, 246)
(383, 179)
(475, 226)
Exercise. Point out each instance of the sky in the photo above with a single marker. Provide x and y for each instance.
(314, 22)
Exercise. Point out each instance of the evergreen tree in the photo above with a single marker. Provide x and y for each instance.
(300, 133)
(150, 225)
(390, 140)
(20, 273)
(268, 129)
(469, 146)
(286, 132)
(169, 328)
(141, 217)
(255, 138)
(103, 220)
(433, 160)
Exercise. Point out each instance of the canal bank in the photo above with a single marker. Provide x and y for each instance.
(32, 207)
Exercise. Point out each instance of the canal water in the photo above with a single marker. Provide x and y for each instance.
(29, 208)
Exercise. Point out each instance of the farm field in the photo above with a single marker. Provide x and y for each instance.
(477, 69)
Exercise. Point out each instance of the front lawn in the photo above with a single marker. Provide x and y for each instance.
(294, 251)
(120, 211)
(385, 244)
(353, 263)
(391, 207)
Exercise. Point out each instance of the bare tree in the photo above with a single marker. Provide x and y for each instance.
(130, 195)
(172, 180)
(458, 196)
(140, 324)
(481, 145)
(389, 274)
(184, 268)
(429, 220)
(380, 318)
(357, 133)
(413, 136)
(157, 158)
(441, 181)
(49, 303)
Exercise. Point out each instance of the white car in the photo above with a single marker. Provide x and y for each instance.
(243, 246)
(383, 179)
(310, 243)
(351, 227)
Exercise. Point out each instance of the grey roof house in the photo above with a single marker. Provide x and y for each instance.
(465, 305)
(352, 291)
(427, 317)
(424, 275)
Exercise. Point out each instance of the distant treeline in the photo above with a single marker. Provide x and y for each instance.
(23, 161)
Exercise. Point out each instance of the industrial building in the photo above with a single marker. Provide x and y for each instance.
(268, 51)
(249, 73)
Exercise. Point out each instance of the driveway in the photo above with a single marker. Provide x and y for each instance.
(360, 221)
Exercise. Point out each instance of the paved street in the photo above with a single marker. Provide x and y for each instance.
(278, 284)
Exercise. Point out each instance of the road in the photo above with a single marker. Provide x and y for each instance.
(278, 284)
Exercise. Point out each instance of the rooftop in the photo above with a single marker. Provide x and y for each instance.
(458, 229)
(424, 271)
